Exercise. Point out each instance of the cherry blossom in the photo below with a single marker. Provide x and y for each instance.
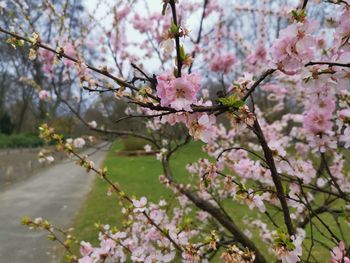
(338, 254)
(222, 62)
(295, 46)
(202, 127)
(44, 95)
(93, 124)
(140, 205)
(179, 93)
(148, 148)
(79, 143)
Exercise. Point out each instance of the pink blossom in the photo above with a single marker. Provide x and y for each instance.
(295, 46)
(304, 170)
(85, 248)
(338, 254)
(258, 56)
(178, 93)
(121, 14)
(342, 74)
(202, 126)
(107, 246)
(48, 58)
(317, 121)
(288, 256)
(322, 143)
(277, 148)
(222, 62)
(157, 215)
(141, 24)
(274, 89)
(119, 235)
(44, 95)
(343, 29)
(69, 50)
(344, 114)
(140, 205)
(86, 259)
(168, 257)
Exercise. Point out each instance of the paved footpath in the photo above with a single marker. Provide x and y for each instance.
(56, 194)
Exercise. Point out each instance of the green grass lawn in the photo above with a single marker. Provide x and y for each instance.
(139, 176)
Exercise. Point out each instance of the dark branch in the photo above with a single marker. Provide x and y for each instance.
(312, 63)
(257, 82)
(177, 38)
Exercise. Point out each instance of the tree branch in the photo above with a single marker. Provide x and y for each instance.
(275, 177)
(177, 38)
(312, 63)
(216, 213)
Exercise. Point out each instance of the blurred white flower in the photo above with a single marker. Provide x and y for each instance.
(79, 142)
(148, 148)
(93, 124)
(205, 93)
(259, 203)
(161, 154)
(38, 220)
(50, 159)
(321, 182)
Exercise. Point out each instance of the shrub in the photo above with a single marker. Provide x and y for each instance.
(133, 144)
(19, 141)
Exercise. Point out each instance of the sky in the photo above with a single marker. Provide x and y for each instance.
(154, 5)
(103, 8)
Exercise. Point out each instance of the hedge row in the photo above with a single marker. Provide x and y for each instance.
(20, 141)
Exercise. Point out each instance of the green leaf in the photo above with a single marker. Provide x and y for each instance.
(182, 53)
(299, 16)
(290, 246)
(232, 101)
(51, 237)
(175, 72)
(25, 220)
(14, 42)
(174, 29)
